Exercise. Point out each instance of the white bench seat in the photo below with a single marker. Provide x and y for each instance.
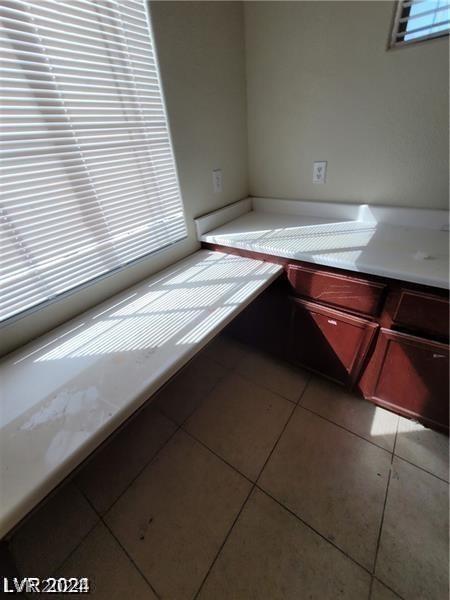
(63, 394)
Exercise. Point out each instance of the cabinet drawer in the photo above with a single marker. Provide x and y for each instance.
(410, 374)
(338, 290)
(422, 312)
(329, 341)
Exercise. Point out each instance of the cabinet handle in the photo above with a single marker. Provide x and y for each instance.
(438, 355)
(332, 322)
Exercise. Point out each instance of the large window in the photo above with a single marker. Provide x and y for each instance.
(418, 20)
(88, 178)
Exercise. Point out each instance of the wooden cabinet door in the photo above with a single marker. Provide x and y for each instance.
(328, 341)
(410, 375)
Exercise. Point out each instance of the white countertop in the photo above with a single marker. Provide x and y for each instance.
(407, 252)
(63, 394)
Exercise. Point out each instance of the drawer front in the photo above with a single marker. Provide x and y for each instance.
(338, 290)
(411, 374)
(423, 313)
(328, 341)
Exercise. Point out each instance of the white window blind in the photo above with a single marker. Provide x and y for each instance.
(88, 178)
(418, 20)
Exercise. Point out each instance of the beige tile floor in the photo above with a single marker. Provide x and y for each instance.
(249, 479)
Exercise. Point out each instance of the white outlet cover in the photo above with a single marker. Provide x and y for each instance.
(320, 171)
(217, 180)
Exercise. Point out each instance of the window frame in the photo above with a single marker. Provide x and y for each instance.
(398, 27)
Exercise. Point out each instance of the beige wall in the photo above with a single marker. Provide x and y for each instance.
(321, 86)
(201, 54)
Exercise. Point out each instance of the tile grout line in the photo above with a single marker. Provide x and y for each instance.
(199, 441)
(389, 588)
(223, 543)
(377, 548)
(264, 387)
(178, 426)
(346, 429)
(130, 558)
(377, 445)
(221, 378)
(309, 378)
(398, 457)
(294, 514)
(395, 440)
(287, 509)
(257, 486)
(253, 482)
(216, 454)
(101, 515)
(135, 477)
(254, 485)
(105, 524)
(275, 359)
(85, 536)
(296, 405)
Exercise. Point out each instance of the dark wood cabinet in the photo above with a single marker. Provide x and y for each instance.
(409, 374)
(328, 341)
(265, 322)
(335, 289)
(384, 337)
(424, 313)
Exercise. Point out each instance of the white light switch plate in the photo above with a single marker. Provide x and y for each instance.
(320, 171)
(217, 180)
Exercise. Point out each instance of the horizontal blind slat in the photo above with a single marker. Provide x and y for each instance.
(10, 177)
(62, 28)
(56, 267)
(88, 176)
(90, 153)
(85, 16)
(32, 51)
(45, 243)
(39, 74)
(58, 174)
(16, 36)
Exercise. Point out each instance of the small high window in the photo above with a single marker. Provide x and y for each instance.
(418, 20)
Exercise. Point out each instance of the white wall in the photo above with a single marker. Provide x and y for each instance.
(201, 53)
(322, 86)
